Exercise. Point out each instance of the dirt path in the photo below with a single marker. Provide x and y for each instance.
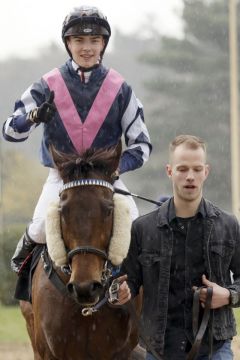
(24, 351)
(16, 352)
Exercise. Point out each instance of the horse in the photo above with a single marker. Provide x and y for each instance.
(81, 257)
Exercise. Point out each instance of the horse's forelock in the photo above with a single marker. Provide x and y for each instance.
(73, 166)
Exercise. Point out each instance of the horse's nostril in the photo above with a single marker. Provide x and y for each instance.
(86, 290)
(95, 287)
(70, 288)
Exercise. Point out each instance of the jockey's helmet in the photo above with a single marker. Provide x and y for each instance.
(86, 20)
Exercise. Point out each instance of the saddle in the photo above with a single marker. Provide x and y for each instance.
(24, 281)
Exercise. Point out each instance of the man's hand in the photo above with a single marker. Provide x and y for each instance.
(124, 294)
(45, 112)
(220, 297)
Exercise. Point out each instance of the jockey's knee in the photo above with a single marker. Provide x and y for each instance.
(36, 230)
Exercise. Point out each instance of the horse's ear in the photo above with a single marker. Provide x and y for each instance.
(56, 155)
(116, 158)
(119, 150)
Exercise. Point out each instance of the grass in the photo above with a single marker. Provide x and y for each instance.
(13, 328)
(12, 325)
(237, 317)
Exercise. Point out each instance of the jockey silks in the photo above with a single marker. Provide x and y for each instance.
(125, 117)
(82, 134)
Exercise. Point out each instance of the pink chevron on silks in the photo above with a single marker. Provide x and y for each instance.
(82, 134)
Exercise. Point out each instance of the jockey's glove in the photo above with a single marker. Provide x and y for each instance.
(44, 113)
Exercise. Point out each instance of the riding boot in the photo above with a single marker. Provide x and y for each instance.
(23, 250)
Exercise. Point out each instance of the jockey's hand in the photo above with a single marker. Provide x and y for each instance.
(45, 112)
(124, 293)
(220, 296)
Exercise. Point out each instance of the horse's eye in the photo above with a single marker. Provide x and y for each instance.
(64, 196)
(107, 207)
(109, 211)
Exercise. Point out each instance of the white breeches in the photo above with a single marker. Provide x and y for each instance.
(50, 192)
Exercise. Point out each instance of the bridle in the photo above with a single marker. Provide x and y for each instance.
(86, 249)
(86, 182)
(108, 268)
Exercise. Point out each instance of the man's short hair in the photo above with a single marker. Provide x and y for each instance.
(191, 141)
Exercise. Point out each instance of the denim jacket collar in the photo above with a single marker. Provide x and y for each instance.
(206, 208)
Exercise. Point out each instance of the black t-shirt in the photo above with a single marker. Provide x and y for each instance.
(187, 268)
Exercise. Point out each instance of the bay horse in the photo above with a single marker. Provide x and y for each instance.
(55, 319)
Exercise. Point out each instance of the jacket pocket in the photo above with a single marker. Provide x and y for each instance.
(221, 250)
(148, 259)
(220, 258)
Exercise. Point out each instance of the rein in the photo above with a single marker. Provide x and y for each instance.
(97, 182)
(124, 192)
(199, 332)
(111, 287)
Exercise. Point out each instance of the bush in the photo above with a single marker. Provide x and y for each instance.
(8, 241)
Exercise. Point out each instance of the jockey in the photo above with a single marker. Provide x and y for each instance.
(65, 102)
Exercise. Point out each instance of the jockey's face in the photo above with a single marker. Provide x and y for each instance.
(86, 49)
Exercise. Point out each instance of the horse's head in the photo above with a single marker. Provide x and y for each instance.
(86, 216)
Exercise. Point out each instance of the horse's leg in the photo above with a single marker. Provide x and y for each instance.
(138, 353)
(40, 293)
(27, 311)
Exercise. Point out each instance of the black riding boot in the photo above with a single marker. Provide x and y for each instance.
(23, 249)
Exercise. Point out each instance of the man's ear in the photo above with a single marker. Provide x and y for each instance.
(169, 170)
(207, 170)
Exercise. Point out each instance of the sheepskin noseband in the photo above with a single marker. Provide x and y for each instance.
(119, 243)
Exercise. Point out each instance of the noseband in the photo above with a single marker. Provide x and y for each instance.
(112, 258)
(86, 182)
(89, 249)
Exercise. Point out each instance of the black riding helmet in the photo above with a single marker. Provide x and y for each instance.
(86, 20)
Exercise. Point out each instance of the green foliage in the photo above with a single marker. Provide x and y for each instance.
(22, 180)
(237, 317)
(8, 241)
(189, 92)
(12, 325)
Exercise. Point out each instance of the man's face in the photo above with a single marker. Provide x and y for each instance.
(86, 49)
(188, 171)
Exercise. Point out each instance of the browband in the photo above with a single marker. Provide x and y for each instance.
(86, 182)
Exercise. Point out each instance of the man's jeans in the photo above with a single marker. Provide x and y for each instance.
(224, 353)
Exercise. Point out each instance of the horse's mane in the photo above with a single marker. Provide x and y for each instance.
(73, 166)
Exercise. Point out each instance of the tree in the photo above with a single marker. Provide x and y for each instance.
(22, 179)
(190, 90)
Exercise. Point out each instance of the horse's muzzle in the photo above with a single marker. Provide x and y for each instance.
(86, 293)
